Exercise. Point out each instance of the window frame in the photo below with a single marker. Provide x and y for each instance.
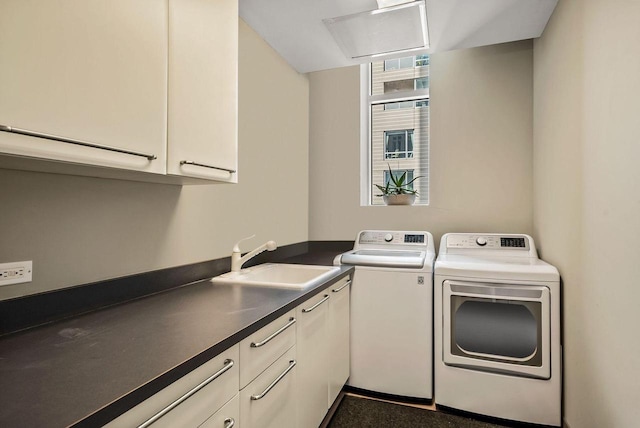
(366, 101)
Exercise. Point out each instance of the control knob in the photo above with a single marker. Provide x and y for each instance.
(388, 237)
(481, 241)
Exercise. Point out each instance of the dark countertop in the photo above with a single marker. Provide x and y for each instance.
(91, 368)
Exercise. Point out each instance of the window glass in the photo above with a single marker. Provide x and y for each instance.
(422, 82)
(398, 144)
(391, 64)
(397, 173)
(407, 62)
(422, 60)
(399, 85)
(403, 104)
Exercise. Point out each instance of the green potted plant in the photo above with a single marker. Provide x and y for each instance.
(397, 190)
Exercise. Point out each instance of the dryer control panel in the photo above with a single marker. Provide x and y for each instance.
(488, 241)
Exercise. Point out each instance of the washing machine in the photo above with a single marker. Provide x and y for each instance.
(392, 313)
(497, 324)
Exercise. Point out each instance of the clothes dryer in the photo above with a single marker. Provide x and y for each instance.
(497, 328)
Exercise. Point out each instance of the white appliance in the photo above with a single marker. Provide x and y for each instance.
(392, 312)
(497, 328)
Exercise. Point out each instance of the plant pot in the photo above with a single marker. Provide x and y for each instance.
(404, 199)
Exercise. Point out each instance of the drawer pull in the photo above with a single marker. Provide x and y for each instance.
(70, 141)
(335, 290)
(292, 364)
(306, 310)
(188, 162)
(229, 423)
(291, 322)
(227, 365)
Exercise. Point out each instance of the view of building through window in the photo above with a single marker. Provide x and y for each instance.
(399, 123)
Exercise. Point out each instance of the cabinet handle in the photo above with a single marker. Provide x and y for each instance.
(188, 162)
(70, 141)
(292, 364)
(291, 322)
(306, 310)
(229, 423)
(335, 290)
(227, 365)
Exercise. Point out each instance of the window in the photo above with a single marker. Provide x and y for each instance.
(421, 83)
(394, 106)
(397, 173)
(398, 144)
(395, 125)
(399, 63)
(422, 60)
(406, 62)
(406, 84)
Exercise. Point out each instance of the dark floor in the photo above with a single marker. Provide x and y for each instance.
(357, 412)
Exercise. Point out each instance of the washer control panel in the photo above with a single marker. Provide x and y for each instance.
(392, 238)
(497, 242)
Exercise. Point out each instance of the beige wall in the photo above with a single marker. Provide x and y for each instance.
(587, 203)
(78, 229)
(481, 148)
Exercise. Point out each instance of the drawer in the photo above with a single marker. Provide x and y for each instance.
(270, 401)
(227, 417)
(222, 372)
(262, 348)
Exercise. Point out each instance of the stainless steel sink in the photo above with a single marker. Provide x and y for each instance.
(278, 275)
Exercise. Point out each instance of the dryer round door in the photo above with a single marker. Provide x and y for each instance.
(500, 328)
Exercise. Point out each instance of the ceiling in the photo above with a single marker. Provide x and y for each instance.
(294, 28)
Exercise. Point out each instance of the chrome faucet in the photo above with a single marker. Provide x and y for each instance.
(237, 260)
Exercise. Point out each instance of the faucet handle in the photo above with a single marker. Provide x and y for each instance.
(236, 248)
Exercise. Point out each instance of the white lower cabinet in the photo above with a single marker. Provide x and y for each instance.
(191, 400)
(323, 351)
(312, 345)
(270, 400)
(339, 337)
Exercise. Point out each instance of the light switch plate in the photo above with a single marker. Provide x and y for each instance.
(16, 272)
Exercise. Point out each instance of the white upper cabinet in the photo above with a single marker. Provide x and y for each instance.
(203, 89)
(144, 86)
(91, 72)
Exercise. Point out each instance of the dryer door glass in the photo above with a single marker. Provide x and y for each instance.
(496, 329)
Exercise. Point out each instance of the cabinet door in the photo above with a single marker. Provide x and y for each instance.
(203, 89)
(270, 400)
(86, 71)
(339, 315)
(313, 367)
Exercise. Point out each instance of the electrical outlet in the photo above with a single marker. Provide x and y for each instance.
(15, 272)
